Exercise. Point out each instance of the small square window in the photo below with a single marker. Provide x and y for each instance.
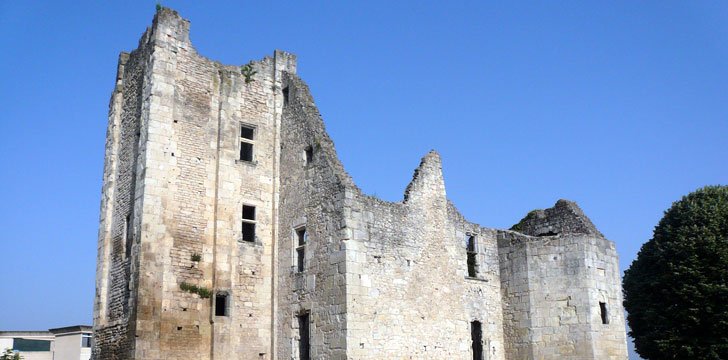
(247, 132)
(248, 212)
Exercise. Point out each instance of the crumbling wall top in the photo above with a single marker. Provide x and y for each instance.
(564, 218)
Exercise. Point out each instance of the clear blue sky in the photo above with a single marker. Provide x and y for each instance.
(619, 106)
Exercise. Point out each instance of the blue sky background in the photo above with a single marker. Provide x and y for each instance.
(620, 106)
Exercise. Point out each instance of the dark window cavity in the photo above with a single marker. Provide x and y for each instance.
(285, 96)
(249, 223)
(247, 132)
(300, 248)
(472, 264)
(247, 140)
(128, 238)
(476, 334)
(309, 155)
(221, 302)
(246, 151)
(604, 313)
(303, 338)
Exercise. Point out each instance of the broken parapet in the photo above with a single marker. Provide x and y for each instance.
(564, 218)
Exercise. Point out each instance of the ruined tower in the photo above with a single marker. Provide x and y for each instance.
(230, 230)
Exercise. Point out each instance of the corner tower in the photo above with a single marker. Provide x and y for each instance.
(188, 211)
(562, 294)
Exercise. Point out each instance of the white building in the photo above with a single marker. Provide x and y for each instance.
(66, 343)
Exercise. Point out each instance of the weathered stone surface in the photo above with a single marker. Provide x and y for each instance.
(377, 279)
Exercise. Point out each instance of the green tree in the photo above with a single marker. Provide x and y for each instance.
(10, 355)
(676, 291)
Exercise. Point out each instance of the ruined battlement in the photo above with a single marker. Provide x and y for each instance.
(229, 229)
(564, 218)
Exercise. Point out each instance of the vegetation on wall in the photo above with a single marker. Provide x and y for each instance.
(248, 72)
(675, 291)
(194, 289)
(519, 226)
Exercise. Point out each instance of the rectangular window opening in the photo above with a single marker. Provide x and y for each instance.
(221, 304)
(247, 140)
(86, 341)
(247, 132)
(476, 333)
(303, 337)
(248, 212)
(249, 223)
(246, 151)
(309, 155)
(300, 249)
(128, 236)
(285, 96)
(20, 344)
(604, 314)
(472, 260)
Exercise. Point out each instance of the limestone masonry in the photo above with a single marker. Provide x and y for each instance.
(230, 230)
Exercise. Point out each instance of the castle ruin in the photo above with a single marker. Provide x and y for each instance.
(230, 230)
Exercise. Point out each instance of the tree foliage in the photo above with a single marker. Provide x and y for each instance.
(676, 291)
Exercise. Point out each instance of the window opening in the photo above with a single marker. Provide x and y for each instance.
(20, 344)
(247, 140)
(604, 314)
(249, 223)
(285, 96)
(309, 155)
(86, 340)
(221, 304)
(476, 333)
(472, 264)
(128, 236)
(300, 248)
(303, 337)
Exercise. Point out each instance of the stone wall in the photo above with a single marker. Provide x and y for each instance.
(311, 198)
(552, 287)
(377, 279)
(190, 191)
(407, 290)
(119, 218)
(564, 218)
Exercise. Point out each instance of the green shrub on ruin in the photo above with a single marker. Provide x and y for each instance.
(248, 72)
(194, 289)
